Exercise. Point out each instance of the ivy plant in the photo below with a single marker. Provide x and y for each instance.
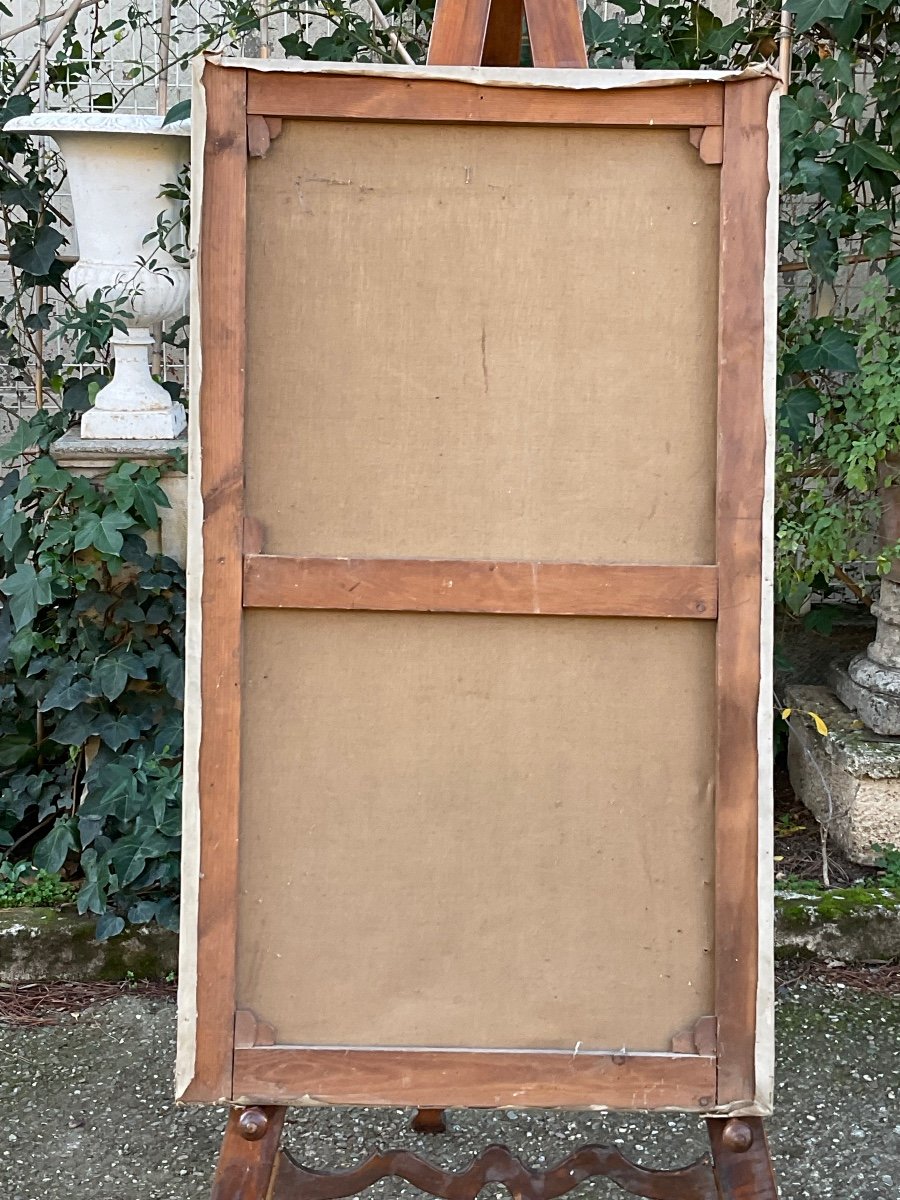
(840, 256)
(91, 666)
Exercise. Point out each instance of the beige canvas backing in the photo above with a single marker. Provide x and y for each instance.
(479, 831)
(482, 342)
(476, 830)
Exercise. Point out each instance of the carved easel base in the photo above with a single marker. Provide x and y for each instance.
(253, 1166)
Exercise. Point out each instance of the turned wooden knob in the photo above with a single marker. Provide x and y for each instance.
(737, 1136)
(253, 1124)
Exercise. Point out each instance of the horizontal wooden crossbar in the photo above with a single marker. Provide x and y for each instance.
(358, 97)
(476, 586)
(471, 1078)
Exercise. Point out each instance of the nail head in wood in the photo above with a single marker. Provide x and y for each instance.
(253, 1124)
(737, 1137)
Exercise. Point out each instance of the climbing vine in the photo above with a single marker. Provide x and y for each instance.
(838, 392)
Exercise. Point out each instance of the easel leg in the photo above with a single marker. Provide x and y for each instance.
(741, 1159)
(247, 1158)
(253, 1167)
(429, 1120)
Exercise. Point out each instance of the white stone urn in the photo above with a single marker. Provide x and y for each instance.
(116, 166)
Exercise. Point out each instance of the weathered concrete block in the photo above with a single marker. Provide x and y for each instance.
(41, 943)
(849, 778)
(95, 458)
(855, 924)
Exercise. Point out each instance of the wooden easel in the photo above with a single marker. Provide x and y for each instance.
(252, 1164)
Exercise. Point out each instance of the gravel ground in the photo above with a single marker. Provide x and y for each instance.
(86, 1111)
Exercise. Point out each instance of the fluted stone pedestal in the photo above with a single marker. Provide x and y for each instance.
(871, 684)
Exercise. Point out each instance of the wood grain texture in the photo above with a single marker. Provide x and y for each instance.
(711, 145)
(245, 1166)
(258, 137)
(250, 1031)
(429, 1120)
(222, 267)
(699, 1038)
(743, 1172)
(497, 1165)
(343, 97)
(429, 585)
(707, 141)
(473, 1079)
(458, 32)
(503, 43)
(555, 33)
(741, 472)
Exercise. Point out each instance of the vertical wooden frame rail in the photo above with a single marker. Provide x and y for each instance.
(740, 513)
(249, 1068)
(221, 427)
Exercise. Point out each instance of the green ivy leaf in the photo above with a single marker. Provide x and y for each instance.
(38, 257)
(127, 858)
(91, 897)
(67, 690)
(721, 41)
(102, 531)
(15, 748)
(597, 31)
(27, 198)
(167, 914)
(810, 12)
(834, 350)
(25, 436)
(76, 727)
(178, 112)
(12, 523)
(51, 852)
(796, 410)
(111, 677)
(22, 647)
(110, 925)
(142, 912)
(28, 590)
(116, 731)
(148, 499)
(863, 152)
(171, 668)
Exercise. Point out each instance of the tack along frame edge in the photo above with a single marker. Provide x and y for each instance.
(212, 1067)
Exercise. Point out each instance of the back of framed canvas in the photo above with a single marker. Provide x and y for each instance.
(485, 644)
(472, 377)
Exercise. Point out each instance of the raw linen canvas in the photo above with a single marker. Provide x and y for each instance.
(474, 830)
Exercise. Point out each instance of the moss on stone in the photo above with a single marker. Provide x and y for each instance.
(45, 944)
(796, 910)
(123, 960)
(793, 953)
